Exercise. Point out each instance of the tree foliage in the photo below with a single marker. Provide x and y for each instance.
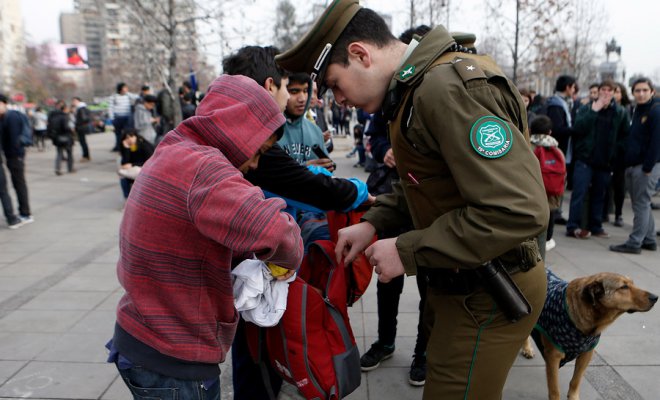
(285, 24)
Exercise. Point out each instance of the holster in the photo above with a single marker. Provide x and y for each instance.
(494, 277)
(507, 295)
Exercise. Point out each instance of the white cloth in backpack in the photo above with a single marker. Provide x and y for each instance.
(259, 297)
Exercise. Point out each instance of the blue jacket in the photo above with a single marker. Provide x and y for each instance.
(10, 132)
(643, 146)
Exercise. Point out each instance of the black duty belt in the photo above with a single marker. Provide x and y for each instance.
(461, 281)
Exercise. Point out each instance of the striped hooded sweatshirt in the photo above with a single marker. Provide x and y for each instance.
(190, 217)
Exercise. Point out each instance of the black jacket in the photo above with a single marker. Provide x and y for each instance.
(280, 174)
(58, 124)
(643, 146)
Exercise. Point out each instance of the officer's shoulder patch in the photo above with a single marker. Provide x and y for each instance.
(468, 69)
(407, 72)
(491, 137)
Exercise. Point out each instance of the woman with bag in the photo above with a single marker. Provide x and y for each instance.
(61, 133)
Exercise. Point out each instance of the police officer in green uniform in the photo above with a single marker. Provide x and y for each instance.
(470, 184)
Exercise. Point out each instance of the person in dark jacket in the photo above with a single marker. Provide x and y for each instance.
(187, 107)
(83, 126)
(643, 161)
(600, 129)
(558, 108)
(61, 132)
(280, 174)
(13, 221)
(11, 126)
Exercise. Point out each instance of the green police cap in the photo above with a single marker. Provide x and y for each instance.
(465, 39)
(311, 54)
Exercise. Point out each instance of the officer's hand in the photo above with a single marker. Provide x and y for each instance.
(353, 240)
(323, 162)
(384, 256)
(388, 159)
(327, 135)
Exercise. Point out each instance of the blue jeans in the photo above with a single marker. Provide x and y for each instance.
(145, 384)
(585, 179)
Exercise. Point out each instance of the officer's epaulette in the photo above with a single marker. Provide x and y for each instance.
(468, 69)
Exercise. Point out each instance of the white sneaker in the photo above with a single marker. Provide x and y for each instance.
(26, 219)
(550, 244)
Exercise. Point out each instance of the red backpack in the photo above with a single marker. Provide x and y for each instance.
(358, 274)
(312, 347)
(553, 169)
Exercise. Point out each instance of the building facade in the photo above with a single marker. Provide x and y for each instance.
(12, 44)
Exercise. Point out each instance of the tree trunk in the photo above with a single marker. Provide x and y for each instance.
(515, 46)
(172, 62)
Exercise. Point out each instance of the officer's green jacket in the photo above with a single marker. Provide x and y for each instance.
(469, 180)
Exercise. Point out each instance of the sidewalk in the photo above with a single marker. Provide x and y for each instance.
(58, 292)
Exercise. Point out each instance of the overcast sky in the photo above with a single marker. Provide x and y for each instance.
(634, 24)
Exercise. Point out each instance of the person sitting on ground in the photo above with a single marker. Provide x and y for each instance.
(135, 151)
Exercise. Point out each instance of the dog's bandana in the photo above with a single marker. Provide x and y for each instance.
(556, 325)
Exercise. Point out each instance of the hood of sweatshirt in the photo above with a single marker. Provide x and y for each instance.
(236, 116)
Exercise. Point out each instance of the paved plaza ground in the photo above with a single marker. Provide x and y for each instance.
(58, 292)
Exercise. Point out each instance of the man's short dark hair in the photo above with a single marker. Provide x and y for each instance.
(145, 88)
(3, 99)
(540, 125)
(637, 81)
(607, 83)
(299, 77)
(366, 26)
(255, 62)
(150, 98)
(120, 86)
(407, 35)
(77, 98)
(563, 82)
(593, 85)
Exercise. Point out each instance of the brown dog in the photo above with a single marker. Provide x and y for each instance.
(570, 330)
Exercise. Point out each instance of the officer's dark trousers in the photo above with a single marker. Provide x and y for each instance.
(472, 345)
(388, 295)
(16, 166)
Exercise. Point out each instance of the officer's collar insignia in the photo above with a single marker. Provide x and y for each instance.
(491, 137)
(644, 119)
(407, 72)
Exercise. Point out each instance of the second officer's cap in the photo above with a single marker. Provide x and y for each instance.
(311, 54)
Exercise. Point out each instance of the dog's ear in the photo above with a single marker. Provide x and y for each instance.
(593, 292)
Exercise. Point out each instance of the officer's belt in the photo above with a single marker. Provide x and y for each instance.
(464, 281)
